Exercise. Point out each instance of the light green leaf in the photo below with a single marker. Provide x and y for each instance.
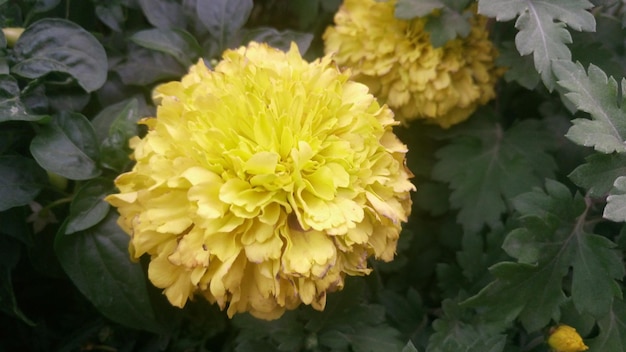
(541, 25)
(409, 9)
(175, 42)
(67, 146)
(98, 263)
(615, 209)
(448, 25)
(596, 94)
(488, 166)
(88, 206)
(21, 180)
(58, 45)
(598, 175)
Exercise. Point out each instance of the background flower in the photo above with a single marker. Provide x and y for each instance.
(396, 59)
(261, 184)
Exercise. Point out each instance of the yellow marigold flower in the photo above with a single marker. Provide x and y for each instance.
(261, 184)
(564, 338)
(396, 60)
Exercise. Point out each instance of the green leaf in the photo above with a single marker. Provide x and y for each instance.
(615, 209)
(142, 67)
(11, 106)
(57, 45)
(9, 257)
(175, 42)
(278, 39)
(163, 13)
(410, 347)
(520, 69)
(284, 334)
(453, 333)
(596, 94)
(88, 206)
(551, 242)
(98, 263)
(598, 175)
(448, 25)
(67, 146)
(115, 125)
(223, 18)
(21, 180)
(409, 9)
(111, 14)
(612, 335)
(44, 5)
(541, 25)
(485, 166)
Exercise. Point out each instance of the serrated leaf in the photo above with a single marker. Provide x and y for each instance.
(88, 206)
(177, 43)
(452, 333)
(596, 94)
(21, 180)
(598, 175)
(612, 336)
(58, 45)
(223, 18)
(67, 146)
(541, 25)
(447, 25)
(11, 107)
(98, 263)
(615, 209)
(491, 165)
(163, 13)
(278, 39)
(520, 69)
(551, 241)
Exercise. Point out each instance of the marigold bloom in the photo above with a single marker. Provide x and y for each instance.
(396, 60)
(564, 338)
(261, 184)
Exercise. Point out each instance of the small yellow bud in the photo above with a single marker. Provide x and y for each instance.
(12, 34)
(564, 338)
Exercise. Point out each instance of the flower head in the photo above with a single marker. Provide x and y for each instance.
(564, 338)
(396, 59)
(261, 184)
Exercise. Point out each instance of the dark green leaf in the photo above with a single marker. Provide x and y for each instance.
(223, 18)
(410, 347)
(67, 146)
(599, 173)
(596, 94)
(115, 125)
(447, 25)
(541, 26)
(45, 5)
(487, 166)
(14, 224)
(11, 107)
(612, 335)
(163, 13)
(9, 256)
(362, 339)
(143, 67)
(98, 263)
(284, 334)
(615, 209)
(175, 42)
(278, 39)
(88, 206)
(520, 69)
(57, 45)
(21, 180)
(112, 15)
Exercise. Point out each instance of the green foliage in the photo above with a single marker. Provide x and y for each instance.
(517, 224)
